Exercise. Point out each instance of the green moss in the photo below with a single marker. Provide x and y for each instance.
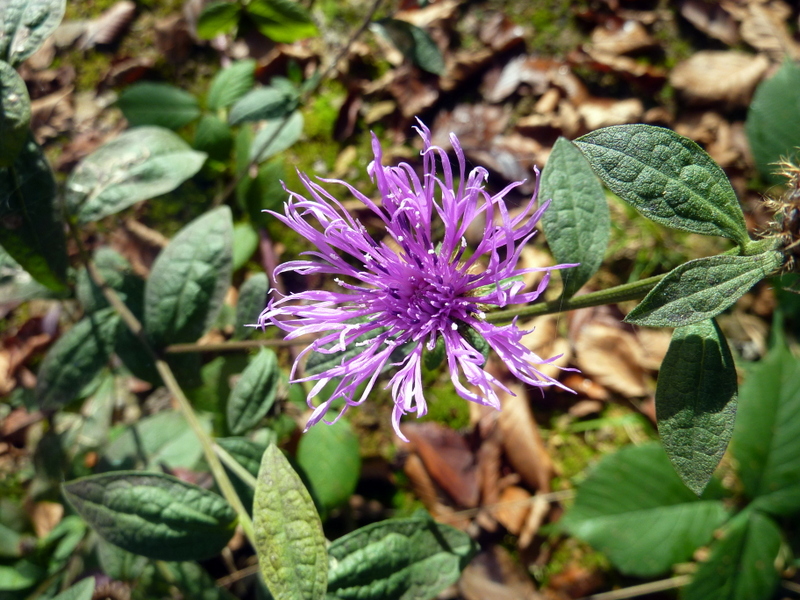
(568, 552)
(555, 28)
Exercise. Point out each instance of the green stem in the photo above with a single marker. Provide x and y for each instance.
(620, 293)
(217, 470)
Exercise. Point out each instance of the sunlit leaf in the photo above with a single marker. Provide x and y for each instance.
(254, 392)
(25, 25)
(15, 114)
(158, 104)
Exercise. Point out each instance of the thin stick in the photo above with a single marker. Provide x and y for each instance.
(641, 590)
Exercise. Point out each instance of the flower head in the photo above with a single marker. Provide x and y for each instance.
(401, 294)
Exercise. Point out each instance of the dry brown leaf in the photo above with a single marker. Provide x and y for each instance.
(52, 115)
(173, 39)
(447, 458)
(521, 440)
(535, 72)
(539, 509)
(584, 408)
(585, 386)
(712, 19)
(500, 33)
(494, 575)
(605, 112)
(512, 507)
(425, 489)
(621, 37)
(719, 77)
(110, 25)
(764, 25)
(612, 356)
(45, 516)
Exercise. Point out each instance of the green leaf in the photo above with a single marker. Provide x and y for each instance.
(16, 284)
(263, 103)
(577, 223)
(768, 427)
(696, 401)
(118, 563)
(773, 120)
(214, 137)
(290, 544)
(231, 83)
(75, 359)
(158, 104)
(117, 273)
(15, 114)
(276, 137)
(331, 460)
(189, 280)
(24, 26)
(252, 300)
(397, 559)
(701, 289)
(742, 564)
(155, 515)
(666, 177)
(263, 192)
(217, 18)
(160, 440)
(283, 21)
(635, 509)
(83, 590)
(140, 164)
(254, 393)
(19, 576)
(245, 243)
(31, 229)
(248, 454)
(195, 582)
(414, 43)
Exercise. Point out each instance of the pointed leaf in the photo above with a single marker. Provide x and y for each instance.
(577, 223)
(397, 559)
(773, 120)
(634, 508)
(742, 564)
(765, 438)
(15, 114)
(214, 137)
(290, 543)
(155, 515)
(701, 289)
(331, 460)
(231, 83)
(276, 137)
(140, 164)
(254, 393)
(414, 43)
(245, 243)
(283, 21)
(25, 25)
(118, 275)
(262, 104)
(75, 359)
(158, 104)
(666, 177)
(252, 300)
(189, 280)
(696, 401)
(83, 590)
(31, 229)
(217, 18)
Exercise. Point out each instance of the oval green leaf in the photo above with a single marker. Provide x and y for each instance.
(290, 544)
(330, 457)
(75, 359)
(15, 114)
(254, 393)
(252, 300)
(24, 26)
(152, 514)
(118, 274)
(696, 401)
(773, 120)
(262, 104)
(666, 177)
(765, 439)
(397, 559)
(742, 564)
(31, 229)
(577, 223)
(214, 137)
(413, 42)
(276, 137)
(140, 164)
(217, 18)
(83, 590)
(189, 279)
(158, 104)
(701, 289)
(283, 21)
(231, 83)
(635, 509)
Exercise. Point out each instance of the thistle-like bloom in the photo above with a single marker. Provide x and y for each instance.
(401, 293)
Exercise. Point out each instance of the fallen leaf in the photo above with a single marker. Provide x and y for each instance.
(612, 356)
(511, 509)
(616, 36)
(494, 574)
(45, 516)
(712, 19)
(605, 112)
(719, 77)
(539, 509)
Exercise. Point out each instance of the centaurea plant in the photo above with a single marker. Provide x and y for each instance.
(408, 290)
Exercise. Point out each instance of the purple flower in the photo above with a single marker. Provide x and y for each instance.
(402, 293)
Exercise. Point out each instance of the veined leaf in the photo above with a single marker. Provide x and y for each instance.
(217, 18)
(254, 393)
(264, 103)
(15, 114)
(231, 83)
(155, 515)
(252, 300)
(158, 104)
(283, 21)
(25, 25)
(666, 177)
(276, 136)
